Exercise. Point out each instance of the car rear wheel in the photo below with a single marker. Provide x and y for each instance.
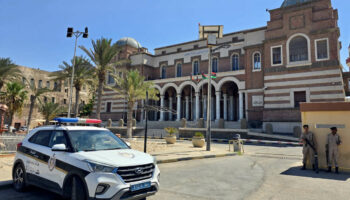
(78, 191)
(19, 178)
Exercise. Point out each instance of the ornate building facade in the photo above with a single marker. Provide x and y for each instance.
(262, 77)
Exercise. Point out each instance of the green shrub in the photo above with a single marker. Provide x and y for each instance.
(171, 130)
(199, 134)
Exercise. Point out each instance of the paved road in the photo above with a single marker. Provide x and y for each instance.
(251, 177)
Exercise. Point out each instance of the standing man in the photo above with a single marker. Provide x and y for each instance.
(332, 143)
(309, 147)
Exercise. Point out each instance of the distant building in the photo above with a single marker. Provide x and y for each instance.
(59, 95)
(263, 77)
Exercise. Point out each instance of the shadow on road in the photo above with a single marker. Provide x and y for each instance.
(295, 171)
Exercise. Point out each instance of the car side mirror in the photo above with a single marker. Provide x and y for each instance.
(59, 147)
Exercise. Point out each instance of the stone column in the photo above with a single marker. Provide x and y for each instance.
(205, 100)
(240, 105)
(178, 107)
(225, 106)
(161, 106)
(197, 105)
(212, 109)
(231, 108)
(218, 95)
(187, 100)
(170, 108)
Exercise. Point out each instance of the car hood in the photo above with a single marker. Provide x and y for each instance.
(117, 158)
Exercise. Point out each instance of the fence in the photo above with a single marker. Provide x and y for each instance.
(8, 143)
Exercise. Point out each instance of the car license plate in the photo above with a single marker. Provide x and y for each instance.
(140, 186)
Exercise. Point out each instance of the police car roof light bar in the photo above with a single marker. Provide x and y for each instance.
(77, 120)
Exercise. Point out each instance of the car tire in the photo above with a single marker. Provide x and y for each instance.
(78, 191)
(19, 178)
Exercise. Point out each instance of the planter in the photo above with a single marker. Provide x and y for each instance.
(198, 141)
(170, 139)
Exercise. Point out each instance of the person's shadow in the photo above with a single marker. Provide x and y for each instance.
(295, 171)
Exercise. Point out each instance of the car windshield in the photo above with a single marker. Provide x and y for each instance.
(95, 140)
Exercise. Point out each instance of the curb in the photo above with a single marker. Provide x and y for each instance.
(7, 155)
(244, 140)
(195, 158)
(5, 185)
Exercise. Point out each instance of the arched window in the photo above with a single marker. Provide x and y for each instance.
(256, 61)
(235, 62)
(178, 70)
(195, 67)
(163, 72)
(215, 65)
(298, 49)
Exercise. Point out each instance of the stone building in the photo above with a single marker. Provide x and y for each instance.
(59, 94)
(263, 76)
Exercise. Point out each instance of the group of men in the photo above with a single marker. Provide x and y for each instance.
(310, 149)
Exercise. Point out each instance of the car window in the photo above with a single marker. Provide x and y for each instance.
(41, 138)
(58, 137)
(95, 140)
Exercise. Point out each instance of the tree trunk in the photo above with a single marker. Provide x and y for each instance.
(99, 99)
(77, 97)
(11, 118)
(1, 84)
(129, 124)
(32, 103)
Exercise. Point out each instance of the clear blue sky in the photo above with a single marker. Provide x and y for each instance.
(33, 33)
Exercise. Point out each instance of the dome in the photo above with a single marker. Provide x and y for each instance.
(288, 3)
(129, 42)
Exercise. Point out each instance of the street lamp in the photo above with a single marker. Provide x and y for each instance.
(77, 34)
(348, 59)
(211, 42)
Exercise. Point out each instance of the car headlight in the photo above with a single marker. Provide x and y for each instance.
(99, 167)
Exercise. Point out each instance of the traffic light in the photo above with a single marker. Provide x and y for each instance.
(86, 33)
(69, 32)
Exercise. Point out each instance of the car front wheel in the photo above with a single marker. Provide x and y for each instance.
(19, 178)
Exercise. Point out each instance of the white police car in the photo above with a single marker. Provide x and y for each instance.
(83, 162)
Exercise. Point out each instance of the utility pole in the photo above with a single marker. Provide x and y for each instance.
(208, 135)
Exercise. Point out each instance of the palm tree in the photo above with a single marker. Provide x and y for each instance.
(133, 86)
(102, 55)
(14, 96)
(83, 75)
(8, 71)
(36, 92)
(50, 110)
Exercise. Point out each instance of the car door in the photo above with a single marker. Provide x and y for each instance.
(57, 158)
(38, 150)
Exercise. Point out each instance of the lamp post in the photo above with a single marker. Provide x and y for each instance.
(348, 59)
(211, 42)
(77, 34)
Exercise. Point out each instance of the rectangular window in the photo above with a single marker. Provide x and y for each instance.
(163, 52)
(178, 49)
(298, 98)
(32, 82)
(109, 107)
(276, 55)
(40, 84)
(64, 101)
(23, 80)
(53, 99)
(45, 99)
(110, 78)
(196, 67)
(48, 84)
(322, 49)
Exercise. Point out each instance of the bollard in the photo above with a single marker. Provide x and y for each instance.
(121, 123)
(109, 123)
(238, 144)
